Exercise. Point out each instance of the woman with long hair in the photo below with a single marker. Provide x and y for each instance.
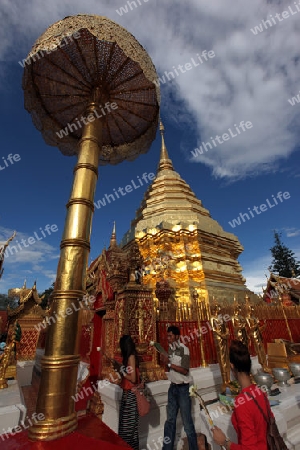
(129, 416)
(247, 419)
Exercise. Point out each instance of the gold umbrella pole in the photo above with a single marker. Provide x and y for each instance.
(285, 319)
(59, 365)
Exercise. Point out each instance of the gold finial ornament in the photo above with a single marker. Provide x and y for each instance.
(103, 75)
(113, 239)
(165, 162)
(2, 252)
(161, 127)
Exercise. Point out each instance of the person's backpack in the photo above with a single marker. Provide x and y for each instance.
(274, 440)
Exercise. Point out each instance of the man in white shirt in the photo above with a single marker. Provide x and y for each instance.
(178, 363)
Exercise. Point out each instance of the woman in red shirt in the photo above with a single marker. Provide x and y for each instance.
(128, 415)
(247, 419)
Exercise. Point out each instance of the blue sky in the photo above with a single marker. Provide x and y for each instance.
(250, 78)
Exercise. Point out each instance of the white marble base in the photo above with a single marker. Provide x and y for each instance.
(208, 381)
(38, 356)
(24, 372)
(12, 406)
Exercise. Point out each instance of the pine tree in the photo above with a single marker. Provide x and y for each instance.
(284, 262)
(46, 297)
(3, 301)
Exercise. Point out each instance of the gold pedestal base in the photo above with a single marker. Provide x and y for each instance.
(3, 384)
(48, 430)
(11, 372)
(277, 355)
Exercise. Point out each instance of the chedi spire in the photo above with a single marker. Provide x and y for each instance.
(164, 161)
(113, 239)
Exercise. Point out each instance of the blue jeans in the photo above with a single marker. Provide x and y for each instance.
(179, 398)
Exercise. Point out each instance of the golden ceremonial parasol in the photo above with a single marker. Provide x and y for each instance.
(89, 87)
(92, 52)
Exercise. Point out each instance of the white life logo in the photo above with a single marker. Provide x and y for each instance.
(11, 158)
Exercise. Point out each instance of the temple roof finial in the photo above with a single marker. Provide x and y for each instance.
(161, 127)
(113, 239)
(164, 161)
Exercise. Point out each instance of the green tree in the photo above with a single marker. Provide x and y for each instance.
(6, 301)
(46, 294)
(3, 301)
(284, 262)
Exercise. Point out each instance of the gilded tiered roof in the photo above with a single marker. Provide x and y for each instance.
(170, 203)
(24, 296)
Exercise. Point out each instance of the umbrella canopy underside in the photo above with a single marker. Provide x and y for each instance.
(59, 83)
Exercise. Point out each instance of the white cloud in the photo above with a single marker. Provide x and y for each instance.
(292, 232)
(256, 273)
(22, 262)
(20, 252)
(250, 79)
